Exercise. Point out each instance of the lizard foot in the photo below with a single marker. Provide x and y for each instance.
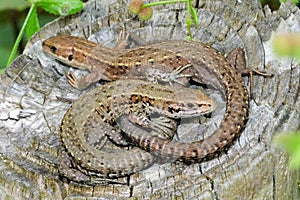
(162, 126)
(73, 81)
(122, 40)
(84, 81)
(155, 75)
(237, 59)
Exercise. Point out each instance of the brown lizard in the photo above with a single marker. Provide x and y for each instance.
(99, 108)
(77, 47)
(138, 63)
(212, 68)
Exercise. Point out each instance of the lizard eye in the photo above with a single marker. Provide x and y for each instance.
(70, 57)
(53, 49)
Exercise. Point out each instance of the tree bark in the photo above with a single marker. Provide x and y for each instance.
(251, 169)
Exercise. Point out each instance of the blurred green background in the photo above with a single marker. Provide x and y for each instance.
(12, 16)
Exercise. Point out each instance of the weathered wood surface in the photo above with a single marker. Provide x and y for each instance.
(252, 169)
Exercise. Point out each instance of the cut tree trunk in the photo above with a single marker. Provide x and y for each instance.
(251, 169)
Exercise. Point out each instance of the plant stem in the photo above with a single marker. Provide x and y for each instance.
(21, 33)
(189, 20)
(162, 3)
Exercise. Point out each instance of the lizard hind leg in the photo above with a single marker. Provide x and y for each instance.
(237, 60)
(69, 172)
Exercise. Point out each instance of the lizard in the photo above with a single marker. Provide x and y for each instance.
(211, 67)
(100, 107)
(87, 55)
(76, 45)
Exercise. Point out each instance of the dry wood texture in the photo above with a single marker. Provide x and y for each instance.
(252, 168)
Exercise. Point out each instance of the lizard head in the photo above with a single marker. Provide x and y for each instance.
(184, 103)
(69, 49)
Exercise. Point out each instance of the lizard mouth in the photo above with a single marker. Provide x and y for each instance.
(204, 109)
(190, 110)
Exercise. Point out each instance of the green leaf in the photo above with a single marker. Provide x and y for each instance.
(195, 16)
(294, 1)
(33, 24)
(189, 22)
(2, 70)
(59, 7)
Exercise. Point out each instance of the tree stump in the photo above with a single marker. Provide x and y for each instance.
(252, 168)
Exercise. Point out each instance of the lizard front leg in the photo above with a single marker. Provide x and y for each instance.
(161, 126)
(84, 81)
